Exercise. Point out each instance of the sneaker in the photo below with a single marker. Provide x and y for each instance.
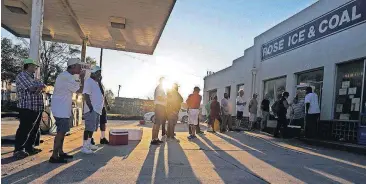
(93, 147)
(104, 141)
(191, 137)
(154, 142)
(86, 150)
(92, 141)
(20, 154)
(33, 151)
(58, 160)
(66, 156)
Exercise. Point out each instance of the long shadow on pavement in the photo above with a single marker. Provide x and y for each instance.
(307, 165)
(90, 164)
(228, 168)
(169, 166)
(32, 173)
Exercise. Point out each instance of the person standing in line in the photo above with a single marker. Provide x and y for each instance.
(93, 106)
(240, 105)
(160, 112)
(253, 109)
(208, 109)
(265, 112)
(193, 102)
(312, 113)
(61, 106)
(214, 112)
(174, 103)
(30, 105)
(103, 117)
(298, 112)
(282, 107)
(225, 113)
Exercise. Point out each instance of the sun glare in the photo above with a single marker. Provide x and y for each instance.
(167, 85)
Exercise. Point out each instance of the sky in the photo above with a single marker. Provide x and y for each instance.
(200, 36)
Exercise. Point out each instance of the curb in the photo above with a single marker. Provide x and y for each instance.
(339, 146)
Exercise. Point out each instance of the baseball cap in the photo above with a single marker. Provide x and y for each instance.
(30, 61)
(73, 61)
(95, 69)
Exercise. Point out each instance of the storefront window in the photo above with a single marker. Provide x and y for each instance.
(349, 90)
(274, 88)
(312, 79)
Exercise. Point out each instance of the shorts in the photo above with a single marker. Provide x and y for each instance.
(239, 115)
(103, 117)
(252, 117)
(91, 121)
(160, 114)
(63, 125)
(193, 116)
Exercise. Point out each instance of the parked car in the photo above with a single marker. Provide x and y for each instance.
(182, 116)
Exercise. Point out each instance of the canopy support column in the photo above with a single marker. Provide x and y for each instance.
(36, 32)
(83, 49)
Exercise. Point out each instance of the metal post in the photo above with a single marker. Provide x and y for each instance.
(36, 32)
(83, 49)
(101, 57)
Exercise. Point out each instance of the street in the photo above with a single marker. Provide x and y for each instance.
(233, 157)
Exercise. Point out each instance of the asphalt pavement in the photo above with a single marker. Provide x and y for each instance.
(233, 157)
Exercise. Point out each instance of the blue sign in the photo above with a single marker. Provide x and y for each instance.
(342, 18)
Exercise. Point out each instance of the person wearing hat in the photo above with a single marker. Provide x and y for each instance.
(174, 102)
(61, 105)
(103, 117)
(30, 105)
(93, 107)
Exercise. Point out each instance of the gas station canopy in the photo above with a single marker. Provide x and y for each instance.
(126, 25)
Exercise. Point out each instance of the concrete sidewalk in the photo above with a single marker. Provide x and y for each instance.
(234, 157)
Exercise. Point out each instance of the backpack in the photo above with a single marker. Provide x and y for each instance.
(276, 107)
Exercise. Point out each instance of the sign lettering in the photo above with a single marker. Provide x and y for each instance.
(344, 17)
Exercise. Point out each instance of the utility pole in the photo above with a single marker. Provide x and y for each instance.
(119, 88)
(101, 57)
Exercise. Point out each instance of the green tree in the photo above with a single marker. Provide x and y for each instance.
(12, 56)
(109, 95)
(54, 55)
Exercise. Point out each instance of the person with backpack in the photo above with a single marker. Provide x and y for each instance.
(281, 108)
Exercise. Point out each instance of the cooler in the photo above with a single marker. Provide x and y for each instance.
(133, 134)
(118, 137)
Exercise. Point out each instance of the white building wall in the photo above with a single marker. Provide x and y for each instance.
(344, 46)
(325, 53)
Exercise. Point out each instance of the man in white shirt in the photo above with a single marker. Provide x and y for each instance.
(93, 106)
(312, 113)
(160, 100)
(240, 105)
(61, 105)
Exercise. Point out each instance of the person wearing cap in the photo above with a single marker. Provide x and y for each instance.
(30, 105)
(174, 102)
(61, 106)
(103, 117)
(93, 107)
(193, 102)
